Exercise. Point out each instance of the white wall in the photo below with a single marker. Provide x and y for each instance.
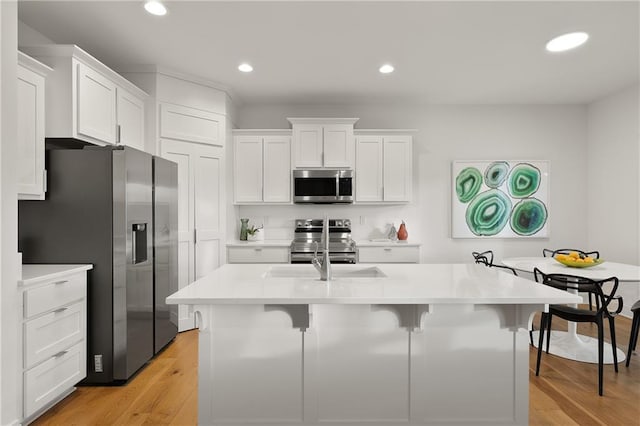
(444, 134)
(612, 175)
(613, 180)
(28, 36)
(10, 372)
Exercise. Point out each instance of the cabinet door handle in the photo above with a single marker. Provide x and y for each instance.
(387, 249)
(57, 311)
(59, 354)
(118, 134)
(61, 282)
(258, 249)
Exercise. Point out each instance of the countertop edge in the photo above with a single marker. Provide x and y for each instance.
(368, 243)
(36, 273)
(369, 301)
(287, 243)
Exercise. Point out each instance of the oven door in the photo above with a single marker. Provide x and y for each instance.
(335, 258)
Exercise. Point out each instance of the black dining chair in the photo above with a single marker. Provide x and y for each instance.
(486, 258)
(635, 328)
(594, 254)
(569, 313)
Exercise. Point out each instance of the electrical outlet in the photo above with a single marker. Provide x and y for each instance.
(97, 363)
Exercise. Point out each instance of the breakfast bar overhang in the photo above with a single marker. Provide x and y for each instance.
(391, 344)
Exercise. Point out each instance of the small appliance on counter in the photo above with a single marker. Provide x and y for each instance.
(308, 236)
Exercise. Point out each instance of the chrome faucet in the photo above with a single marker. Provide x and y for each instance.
(323, 267)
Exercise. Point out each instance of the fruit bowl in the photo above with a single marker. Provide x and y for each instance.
(575, 263)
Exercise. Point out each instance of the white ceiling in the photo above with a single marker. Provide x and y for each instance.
(329, 52)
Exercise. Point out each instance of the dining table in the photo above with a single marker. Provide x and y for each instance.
(569, 344)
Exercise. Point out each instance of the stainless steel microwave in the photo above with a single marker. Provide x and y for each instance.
(322, 186)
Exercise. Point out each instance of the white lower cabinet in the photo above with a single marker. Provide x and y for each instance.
(258, 254)
(389, 254)
(258, 370)
(356, 365)
(364, 364)
(54, 378)
(54, 334)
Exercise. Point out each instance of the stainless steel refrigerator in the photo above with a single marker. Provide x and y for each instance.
(165, 246)
(99, 210)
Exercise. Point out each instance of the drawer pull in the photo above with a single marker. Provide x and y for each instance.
(387, 249)
(257, 249)
(61, 282)
(57, 311)
(59, 354)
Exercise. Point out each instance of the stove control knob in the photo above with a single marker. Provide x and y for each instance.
(347, 223)
(339, 223)
(298, 223)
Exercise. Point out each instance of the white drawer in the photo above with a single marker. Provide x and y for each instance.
(55, 294)
(389, 254)
(45, 382)
(258, 254)
(49, 334)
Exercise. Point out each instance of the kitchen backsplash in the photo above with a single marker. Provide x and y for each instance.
(367, 222)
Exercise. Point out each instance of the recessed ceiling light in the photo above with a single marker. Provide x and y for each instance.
(245, 67)
(154, 7)
(567, 41)
(386, 69)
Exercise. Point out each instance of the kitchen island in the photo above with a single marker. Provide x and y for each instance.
(379, 344)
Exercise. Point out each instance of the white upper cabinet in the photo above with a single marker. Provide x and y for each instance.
(276, 169)
(96, 105)
(191, 124)
(262, 167)
(247, 168)
(384, 168)
(397, 168)
(323, 142)
(369, 168)
(130, 129)
(87, 100)
(31, 121)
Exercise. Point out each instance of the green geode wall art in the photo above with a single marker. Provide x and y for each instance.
(496, 173)
(468, 183)
(500, 199)
(488, 212)
(524, 180)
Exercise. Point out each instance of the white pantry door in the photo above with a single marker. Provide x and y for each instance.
(208, 175)
(199, 211)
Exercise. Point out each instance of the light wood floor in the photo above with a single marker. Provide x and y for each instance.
(165, 392)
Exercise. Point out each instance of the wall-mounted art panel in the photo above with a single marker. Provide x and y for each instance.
(500, 199)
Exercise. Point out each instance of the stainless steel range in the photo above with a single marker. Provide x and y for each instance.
(308, 234)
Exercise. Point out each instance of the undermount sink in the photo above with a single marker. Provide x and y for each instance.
(308, 271)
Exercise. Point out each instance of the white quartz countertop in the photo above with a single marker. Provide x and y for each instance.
(287, 243)
(264, 243)
(32, 274)
(386, 243)
(358, 284)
